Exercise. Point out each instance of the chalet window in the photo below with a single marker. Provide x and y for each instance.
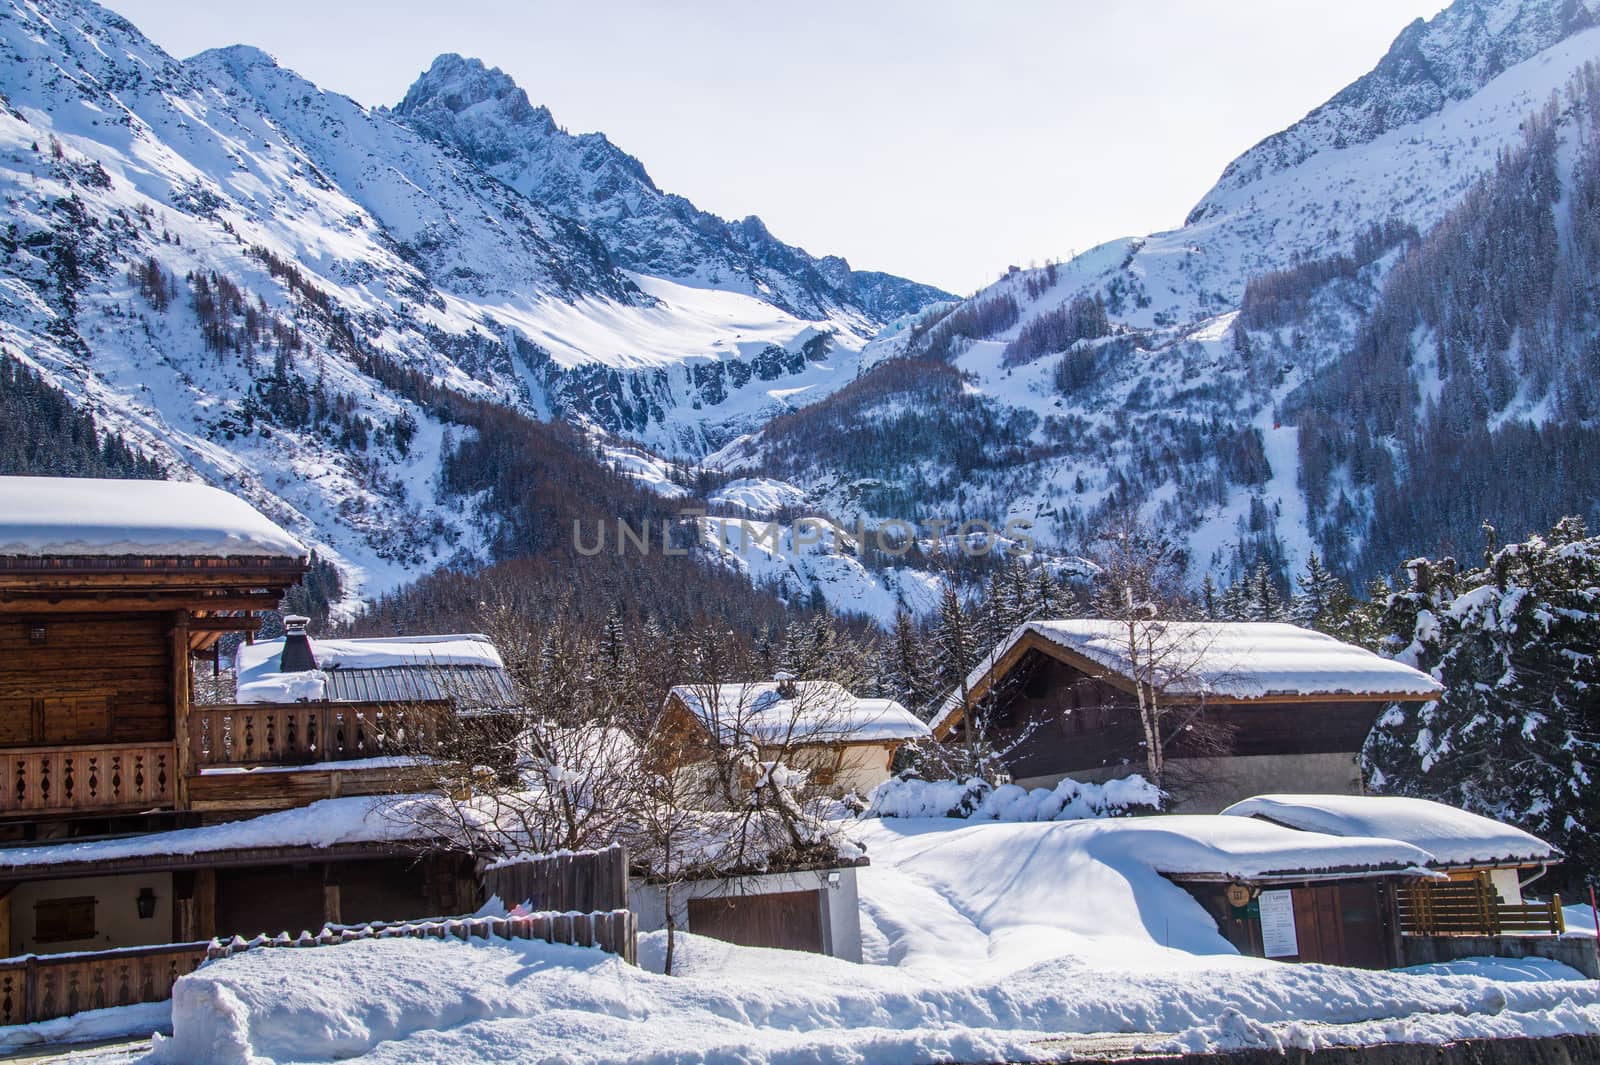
(64, 920)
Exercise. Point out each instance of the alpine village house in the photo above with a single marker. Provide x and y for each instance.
(1251, 707)
(135, 824)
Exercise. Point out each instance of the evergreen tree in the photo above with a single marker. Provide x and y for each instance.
(955, 642)
(908, 678)
(1516, 735)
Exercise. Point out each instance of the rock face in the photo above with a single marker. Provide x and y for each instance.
(485, 115)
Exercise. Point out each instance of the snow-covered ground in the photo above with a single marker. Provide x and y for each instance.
(972, 956)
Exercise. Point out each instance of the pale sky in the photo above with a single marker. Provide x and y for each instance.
(937, 139)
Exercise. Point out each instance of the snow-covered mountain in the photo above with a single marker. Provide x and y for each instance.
(1129, 376)
(488, 117)
(263, 284)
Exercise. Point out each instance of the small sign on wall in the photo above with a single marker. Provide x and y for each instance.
(1278, 939)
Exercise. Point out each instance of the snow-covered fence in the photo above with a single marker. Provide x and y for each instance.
(39, 987)
(585, 881)
(613, 931)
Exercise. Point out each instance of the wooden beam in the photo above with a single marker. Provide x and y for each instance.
(224, 623)
(59, 603)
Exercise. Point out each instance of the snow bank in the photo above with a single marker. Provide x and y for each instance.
(1453, 836)
(392, 1001)
(976, 799)
(817, 712)
(1236, 660)
(42, 516)
(115, 1022)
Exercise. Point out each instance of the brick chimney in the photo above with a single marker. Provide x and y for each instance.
(297, 653)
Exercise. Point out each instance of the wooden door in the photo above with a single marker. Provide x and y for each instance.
(790, 920)
(1341, 924)
(269, 900)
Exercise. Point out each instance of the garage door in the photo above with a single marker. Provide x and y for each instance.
(791, 920)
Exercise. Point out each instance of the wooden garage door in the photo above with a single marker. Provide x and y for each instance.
(791, 920)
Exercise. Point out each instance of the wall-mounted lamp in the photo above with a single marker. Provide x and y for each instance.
(38, 633)
(146, 901)
(833, 880)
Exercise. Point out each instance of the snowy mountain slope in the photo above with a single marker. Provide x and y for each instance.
(1120, 378)
(258, 283)
(484, 113)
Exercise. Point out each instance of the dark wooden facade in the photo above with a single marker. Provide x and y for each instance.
(1063, 719)
(1353, 922)
(1058, 714)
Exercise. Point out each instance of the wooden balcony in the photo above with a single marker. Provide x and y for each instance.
(38, 987)
(295, 734)
(110, 778)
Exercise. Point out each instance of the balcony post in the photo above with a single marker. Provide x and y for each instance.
(180, 709)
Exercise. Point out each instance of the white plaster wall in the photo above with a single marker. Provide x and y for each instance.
(116, 916)
(841, 904)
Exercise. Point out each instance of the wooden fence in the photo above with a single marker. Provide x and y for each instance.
(582, 881)
(1471, 908)
(613, 931)
(38, 987)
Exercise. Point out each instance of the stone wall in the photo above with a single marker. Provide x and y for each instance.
(1576, 951)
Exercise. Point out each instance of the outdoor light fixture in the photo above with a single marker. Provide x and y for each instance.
(146, 903)
(37, 633)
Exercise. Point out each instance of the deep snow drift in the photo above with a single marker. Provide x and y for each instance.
(975, 958)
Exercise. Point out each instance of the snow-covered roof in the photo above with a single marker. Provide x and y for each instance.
(816, 712)
(1210, 845)
(81, 516)
(327, 823)
(463, 666)
(1453, 837)
(1227, 660)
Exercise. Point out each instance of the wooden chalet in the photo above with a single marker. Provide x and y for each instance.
(844, 743)
(1253, 707)
(121, 844)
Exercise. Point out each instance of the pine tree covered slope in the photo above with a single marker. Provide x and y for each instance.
(1234, 379)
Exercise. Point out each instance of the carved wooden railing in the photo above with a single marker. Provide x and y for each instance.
(54, 780)
(38, 987)
(253, 734)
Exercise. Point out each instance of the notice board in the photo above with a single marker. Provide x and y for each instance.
(1278, 939)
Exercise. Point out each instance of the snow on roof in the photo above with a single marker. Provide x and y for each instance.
(1234, 660)
(818, 711)
(1453, 837)
(329, 822)
(1213, 845)
(260, 681)
(82, 516)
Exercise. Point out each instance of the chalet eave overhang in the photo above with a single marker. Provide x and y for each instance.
(1308, 876)
(216, 859)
